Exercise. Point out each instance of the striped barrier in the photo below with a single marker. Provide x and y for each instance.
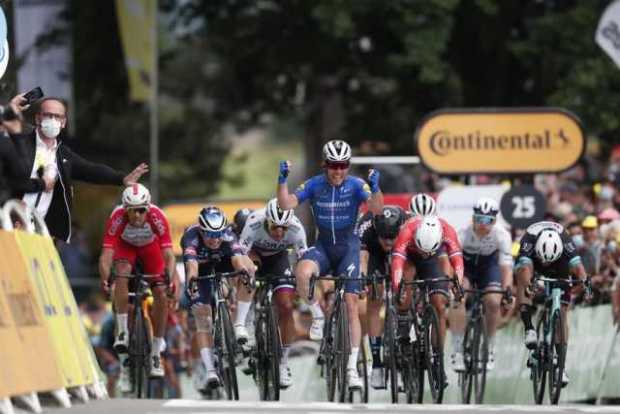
(46, 348)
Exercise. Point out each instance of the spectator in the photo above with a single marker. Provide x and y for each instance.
(587, 258)
(47, 157)
(593, 242)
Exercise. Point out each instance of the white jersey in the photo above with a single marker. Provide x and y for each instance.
(256, 237)
(498, 240)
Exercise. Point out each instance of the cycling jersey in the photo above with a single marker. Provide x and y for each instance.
(335, 208)
(483, 255)
(527, 254)
(145, 242)
(370, 240)
(405, 246)
(255, 236)
(209, 260)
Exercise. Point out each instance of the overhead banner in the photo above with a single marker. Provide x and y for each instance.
(136, 22)
(500, 141)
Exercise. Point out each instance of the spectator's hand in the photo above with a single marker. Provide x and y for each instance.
(20, 102)
(50, 174)
(105, 287)
(14, 126)
(135, 175)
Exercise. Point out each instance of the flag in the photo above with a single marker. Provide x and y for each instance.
(608, 31)
(136, 21)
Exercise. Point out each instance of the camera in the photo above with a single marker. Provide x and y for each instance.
(7, 113)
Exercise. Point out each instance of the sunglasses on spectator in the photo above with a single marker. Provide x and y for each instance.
(337, 165)
(139, 210)
(58, 117)
(482, 219)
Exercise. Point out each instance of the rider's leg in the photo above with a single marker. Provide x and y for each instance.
(160, 317)
(284, 298)
(303, 271)
(524, 276)
(458, 318)
(440, 303)
(121, 295)
(204, 333)
(244, 296)
(355, 328)
(409, 274)
(492, 305)
(375, 326)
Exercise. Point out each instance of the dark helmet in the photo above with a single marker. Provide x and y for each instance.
(241, 216)
(387, 224)
(212, 220)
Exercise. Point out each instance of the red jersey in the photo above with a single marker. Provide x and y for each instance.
(405, 245)
(154, 230)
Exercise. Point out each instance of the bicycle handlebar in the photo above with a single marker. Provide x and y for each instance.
(426, 282)
(223, 275)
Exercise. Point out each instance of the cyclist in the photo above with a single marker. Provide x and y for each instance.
(377, 235)
(267, 236)
(424, 246)
(207, 246)
(241, 216)
(422, 204)
(335, 197)
(487, 250)
(138, 229)
(546, 248)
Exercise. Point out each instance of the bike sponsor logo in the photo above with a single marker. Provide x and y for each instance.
(500, 140)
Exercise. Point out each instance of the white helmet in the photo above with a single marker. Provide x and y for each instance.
(136, 195)
(276, 215)
(422, 205)
(549, 246)
(486, 206)
(429, 235)
(336, 151)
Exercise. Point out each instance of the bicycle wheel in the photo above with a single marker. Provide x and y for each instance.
(343, 349)
(537, 363)
(229, 353)
(329, 359)
(418, 361)
(466, 377)
(556, 357)
(433, 354)
(140, 355)
(260, 376)
(481, 356)
(273, 356)
(389, 352)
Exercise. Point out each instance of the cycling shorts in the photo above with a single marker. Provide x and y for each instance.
(342, 258)
(483, 271)
(429, 268)
(150, 256)
(276, 265)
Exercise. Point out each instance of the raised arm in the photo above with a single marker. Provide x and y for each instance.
(286, 201)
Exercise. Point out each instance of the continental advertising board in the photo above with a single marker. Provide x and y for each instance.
(500, 140)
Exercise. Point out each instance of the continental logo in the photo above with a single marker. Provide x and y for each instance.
(529, 140)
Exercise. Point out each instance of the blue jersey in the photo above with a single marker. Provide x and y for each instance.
(335, 208)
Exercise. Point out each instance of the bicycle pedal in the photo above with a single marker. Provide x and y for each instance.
(320, 360)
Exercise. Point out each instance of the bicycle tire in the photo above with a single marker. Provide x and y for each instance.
(260, 374)
(329, 357)
(389, 352)
(418, 360)
(556, 357)
(229, 343)
(466, 377)
(140, 356)
(481, 356)
(539, 368)
(433, 354)
(343, 349)
(273, 356)
(363, 367)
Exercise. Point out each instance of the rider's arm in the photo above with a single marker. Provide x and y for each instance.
(243, 262)
(191, 269)
(364, 256)
(453, 249)
(301, 241)
(105, 264)
(286, 201)
(171, 265)
(375, 202)
(505, 259)
(399, 253)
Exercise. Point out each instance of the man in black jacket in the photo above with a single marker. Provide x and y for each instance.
(48, 158)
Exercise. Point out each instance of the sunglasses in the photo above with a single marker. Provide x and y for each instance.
(140, 210)
(213, 234)
(274, 227)
(482, 219)
(337, 165)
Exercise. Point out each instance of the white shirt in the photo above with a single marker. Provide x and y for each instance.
(255, 236)
(498, 240)
(43, 156)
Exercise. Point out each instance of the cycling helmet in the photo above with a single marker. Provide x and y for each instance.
(486, 206)
(336, 151)
(136, 195)
(549, 246)
(422, 205)
(212, 220)
(241, 216)
(429, 235)
(276, 215)
(387, 224)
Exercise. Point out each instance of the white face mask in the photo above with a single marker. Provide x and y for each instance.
(50, 127)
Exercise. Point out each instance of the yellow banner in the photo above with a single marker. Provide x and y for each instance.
(136, 22)
(27, 359)
(181, 216)
(60, 311)
(500, 140)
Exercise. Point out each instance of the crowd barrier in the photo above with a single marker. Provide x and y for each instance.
(45, 346)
